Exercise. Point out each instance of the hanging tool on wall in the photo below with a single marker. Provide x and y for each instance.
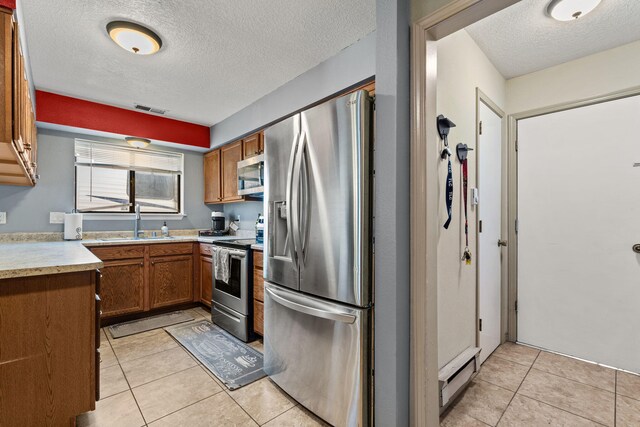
(462, 151)
(444, 125)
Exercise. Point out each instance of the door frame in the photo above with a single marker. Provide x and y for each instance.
(512, 125)
(424, 389)
(481, 97)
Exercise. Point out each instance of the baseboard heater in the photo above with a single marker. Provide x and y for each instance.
(455, 375)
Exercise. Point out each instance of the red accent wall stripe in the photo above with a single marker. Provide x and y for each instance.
(68, 111)
(11, 4)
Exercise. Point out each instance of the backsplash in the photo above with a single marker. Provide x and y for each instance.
(248, 212)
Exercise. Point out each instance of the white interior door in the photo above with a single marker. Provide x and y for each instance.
(490, 213)
(579, 216)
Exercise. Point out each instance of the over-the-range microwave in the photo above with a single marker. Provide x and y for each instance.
(251, 176)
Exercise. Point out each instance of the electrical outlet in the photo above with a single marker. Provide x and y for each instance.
(56, 217)
(3, 217)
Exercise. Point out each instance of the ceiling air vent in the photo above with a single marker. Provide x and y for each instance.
(150, 109)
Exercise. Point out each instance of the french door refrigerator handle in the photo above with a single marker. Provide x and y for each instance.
(312, 311)
(289, 204)
(306, 200)
(295, 198)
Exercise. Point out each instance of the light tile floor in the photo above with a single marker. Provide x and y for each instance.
(522, 386)
(149, 379)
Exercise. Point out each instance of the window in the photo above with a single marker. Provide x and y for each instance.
(113, 179)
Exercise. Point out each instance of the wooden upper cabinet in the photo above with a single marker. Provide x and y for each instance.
(253, 145)
(17, 113)
(370, 87)
(212, 182)
(171, 280)
(230, 155)
(6, 65)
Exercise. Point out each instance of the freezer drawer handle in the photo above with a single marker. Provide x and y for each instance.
(312, 311)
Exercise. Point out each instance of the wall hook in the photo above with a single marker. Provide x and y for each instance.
(444, 125)
(462, 150)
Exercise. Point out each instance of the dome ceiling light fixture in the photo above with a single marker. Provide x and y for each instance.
(134, 37)
(137, 142)
(570, 10)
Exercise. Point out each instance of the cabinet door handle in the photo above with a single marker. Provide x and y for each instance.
(153, 263)
(142, 264)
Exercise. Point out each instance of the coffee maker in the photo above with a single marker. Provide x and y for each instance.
(217, 225)
(217, 222)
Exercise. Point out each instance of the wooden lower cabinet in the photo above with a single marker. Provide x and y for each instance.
(139, 278)
(123, 287)
(258, 293)
(171, 280)
(48, 341)
(206, 279)
(258, 317)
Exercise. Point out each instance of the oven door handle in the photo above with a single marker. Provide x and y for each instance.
(233, 252)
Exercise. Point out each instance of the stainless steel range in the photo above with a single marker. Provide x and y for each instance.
(231, 307)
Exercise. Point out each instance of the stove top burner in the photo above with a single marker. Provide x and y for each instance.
(214, 233)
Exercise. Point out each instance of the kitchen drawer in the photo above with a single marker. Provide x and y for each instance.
(258, 285)
(257, 259)
(162, 249)
(118, 252)
(205, 249)
(258, 317)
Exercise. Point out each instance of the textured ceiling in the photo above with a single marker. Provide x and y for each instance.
(217, 56)
(522, 39)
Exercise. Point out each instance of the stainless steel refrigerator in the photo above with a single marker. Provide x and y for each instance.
(318, 258)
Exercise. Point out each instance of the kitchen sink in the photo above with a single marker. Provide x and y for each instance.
(115, 239)
(124, 239)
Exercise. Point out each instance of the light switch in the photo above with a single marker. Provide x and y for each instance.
(3, 217)
(56, 217)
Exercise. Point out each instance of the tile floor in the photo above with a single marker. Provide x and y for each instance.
(149, 379)
(522, 386)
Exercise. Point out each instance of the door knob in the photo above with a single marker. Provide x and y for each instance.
(636, 248)
(502, 243)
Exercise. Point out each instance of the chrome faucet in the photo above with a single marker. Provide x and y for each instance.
(136, 223)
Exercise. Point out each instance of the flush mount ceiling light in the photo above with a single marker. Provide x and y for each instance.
(570, 10)
(137, 142)
(134, 37)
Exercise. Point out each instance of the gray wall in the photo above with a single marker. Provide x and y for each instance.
(28, 208)
(352, 65)
(392, 214)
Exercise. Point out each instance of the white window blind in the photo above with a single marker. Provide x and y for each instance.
(98, 154)
(114, 179)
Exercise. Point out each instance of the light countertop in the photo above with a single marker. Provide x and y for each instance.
(151, 241)
(22, 259)
(35, 259)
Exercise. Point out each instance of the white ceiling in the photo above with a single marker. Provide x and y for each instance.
(218, 56)
(522, 39)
